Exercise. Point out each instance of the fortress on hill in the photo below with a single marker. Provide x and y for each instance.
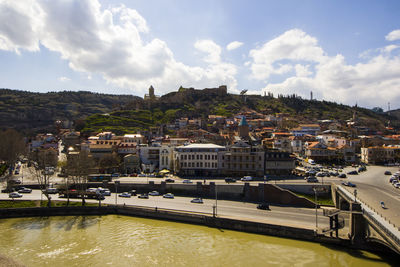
(219, 91)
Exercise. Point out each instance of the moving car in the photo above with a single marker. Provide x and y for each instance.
(350, 184)
(52, 190)
(125, 194)
(187, 182)
(25, 190)
(197, 200)
(168, 195)
(312, 179)
(263, 206)
(169, 180)
(388, 173)
(154, 193)
(247, 178)
(230, 180)
(14, 195)
(342, 175)
(145, 196)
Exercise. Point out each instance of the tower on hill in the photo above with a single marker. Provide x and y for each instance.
(243, 128)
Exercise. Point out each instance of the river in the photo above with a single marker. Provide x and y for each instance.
(129, 241)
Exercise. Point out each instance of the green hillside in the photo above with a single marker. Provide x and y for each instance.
(94, 112)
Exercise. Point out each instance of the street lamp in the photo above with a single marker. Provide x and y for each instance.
(316, 208)
(116, 183)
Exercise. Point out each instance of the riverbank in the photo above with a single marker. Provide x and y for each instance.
(238, 224)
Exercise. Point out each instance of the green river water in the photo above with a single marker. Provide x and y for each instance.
(128, 241)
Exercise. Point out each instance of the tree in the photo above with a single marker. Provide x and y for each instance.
(12, 146)
(109, 162)
(43, 170)
(79, 166)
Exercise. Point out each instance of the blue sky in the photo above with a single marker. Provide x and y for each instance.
(343, 51)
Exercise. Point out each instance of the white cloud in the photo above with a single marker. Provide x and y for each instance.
(371, 83)
(19, 23)
(393, 35)
(64, 79)
(212, 49)
(108, 42)
(292, 45)
(234, 45)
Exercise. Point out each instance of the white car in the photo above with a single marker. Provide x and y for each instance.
(154, 193)
(14, 195)
(187, 182)
(25, 190)
(168, 195)
(197, 200)
(247, 178)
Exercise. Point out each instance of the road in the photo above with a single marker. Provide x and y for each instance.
(297, 217)
(373, 187)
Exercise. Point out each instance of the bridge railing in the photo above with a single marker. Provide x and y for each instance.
(389, 228)
(371, 217)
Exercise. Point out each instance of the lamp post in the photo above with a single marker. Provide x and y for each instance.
(116, 183)
(355, 195)
(316, 208)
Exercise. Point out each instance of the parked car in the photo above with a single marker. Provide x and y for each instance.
(388, 173)
(154, 193)
(263, 206)
(141, 175)
(115, 175)
(362, 169)
(125, 194)
(350, 184)
(230, 180)
(247, 178)
(25, 190)
(169, 180)
(132, 192)
(197, 200)
(352, 173)
(342, 175)
(15, 181)
(14, 195)
(145, 196)
(187, 182)
(168, 195)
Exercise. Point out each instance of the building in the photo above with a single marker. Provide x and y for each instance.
(279, 163)
(380, 154)
(241, 159)
(304, 129)
(197, 159)
(243, 128)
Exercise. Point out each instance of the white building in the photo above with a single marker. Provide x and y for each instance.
(197, 159)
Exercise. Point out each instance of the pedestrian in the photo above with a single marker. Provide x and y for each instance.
(204, 181)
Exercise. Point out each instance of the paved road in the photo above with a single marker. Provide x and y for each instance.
(373, 187)
(301, 217)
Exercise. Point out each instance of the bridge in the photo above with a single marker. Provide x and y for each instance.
(367, 228)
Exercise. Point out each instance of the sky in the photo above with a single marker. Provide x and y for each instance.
(342, 51)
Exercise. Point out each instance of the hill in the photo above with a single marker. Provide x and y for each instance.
(94, 112)
(30, 111)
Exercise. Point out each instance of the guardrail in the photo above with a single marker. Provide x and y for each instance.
(372, 214)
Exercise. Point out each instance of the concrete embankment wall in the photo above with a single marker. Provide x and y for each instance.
(179, 216)
(275, 194)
